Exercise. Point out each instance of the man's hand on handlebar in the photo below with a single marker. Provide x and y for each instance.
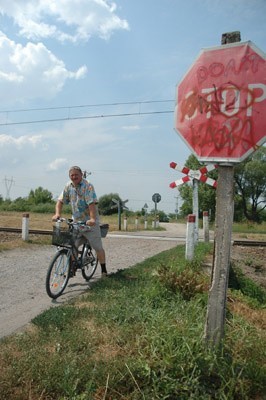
(91, 222)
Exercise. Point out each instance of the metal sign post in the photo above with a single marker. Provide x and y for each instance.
(195, 176)
(120, 205)
(156, 198)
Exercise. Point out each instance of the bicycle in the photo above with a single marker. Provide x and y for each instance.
(68, 258)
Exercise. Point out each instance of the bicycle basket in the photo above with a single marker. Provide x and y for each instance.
(104, 229)
(62, 237)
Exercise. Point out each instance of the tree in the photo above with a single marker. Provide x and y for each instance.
(40, 196)
(106, 203)
(250, 177)
(207, 194)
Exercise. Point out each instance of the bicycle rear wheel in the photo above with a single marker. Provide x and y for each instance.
(89, 263)
(58, 274)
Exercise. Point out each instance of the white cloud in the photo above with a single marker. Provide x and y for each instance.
(64, 20)
(131, 127)
(58, 163)
(19, 142)
(31, 71)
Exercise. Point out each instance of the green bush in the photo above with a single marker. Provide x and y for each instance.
(238, 281)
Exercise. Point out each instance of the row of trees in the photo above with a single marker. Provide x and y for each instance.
(250, 194)
(250, 189)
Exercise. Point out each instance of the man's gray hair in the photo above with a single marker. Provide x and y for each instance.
(75, 168)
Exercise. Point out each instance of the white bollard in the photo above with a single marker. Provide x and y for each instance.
(190, 237)
(25, 226)
(145, 224)
(136, 223)
(206, 232)
(125, 224)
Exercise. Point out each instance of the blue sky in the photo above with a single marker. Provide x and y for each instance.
(76, 61)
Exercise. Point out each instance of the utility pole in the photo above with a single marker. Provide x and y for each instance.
(176, 206)
(8, 184)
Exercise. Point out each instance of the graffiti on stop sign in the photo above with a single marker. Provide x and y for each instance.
(220, 110)
(227, 100)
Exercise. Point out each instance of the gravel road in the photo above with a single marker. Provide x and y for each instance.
(23, 273)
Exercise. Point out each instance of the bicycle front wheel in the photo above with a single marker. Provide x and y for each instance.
(58, 274)
(89, 263)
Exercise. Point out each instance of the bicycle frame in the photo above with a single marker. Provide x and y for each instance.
(69, 258)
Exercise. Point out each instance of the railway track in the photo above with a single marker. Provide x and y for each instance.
(32, 231)
(251, 243)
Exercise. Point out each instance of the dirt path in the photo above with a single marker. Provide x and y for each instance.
(23, 272)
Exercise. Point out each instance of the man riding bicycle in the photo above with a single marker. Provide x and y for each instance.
(80, 194)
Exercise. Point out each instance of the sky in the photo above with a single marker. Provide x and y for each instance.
(93, 83)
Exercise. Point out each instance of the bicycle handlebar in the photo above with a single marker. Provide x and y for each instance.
(70, 222)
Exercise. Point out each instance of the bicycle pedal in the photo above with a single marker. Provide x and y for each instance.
(72, 273)
(89, 259)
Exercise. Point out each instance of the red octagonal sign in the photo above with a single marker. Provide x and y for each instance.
(221, 103)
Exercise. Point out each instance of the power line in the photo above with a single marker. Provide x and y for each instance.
(85, 117)
(95, 116)
(87, 106)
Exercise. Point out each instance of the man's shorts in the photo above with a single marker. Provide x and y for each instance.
(93, 236)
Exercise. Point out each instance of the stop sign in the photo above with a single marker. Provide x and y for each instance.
(221, 103)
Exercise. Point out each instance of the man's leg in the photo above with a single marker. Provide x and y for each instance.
(101, 258)
(94, 237)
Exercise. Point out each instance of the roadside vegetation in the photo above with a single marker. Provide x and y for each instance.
(139, 334)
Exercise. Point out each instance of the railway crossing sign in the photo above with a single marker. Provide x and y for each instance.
(221, 102)
(191, 174)
(120, 204)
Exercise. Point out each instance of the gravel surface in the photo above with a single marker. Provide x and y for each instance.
(23, 272)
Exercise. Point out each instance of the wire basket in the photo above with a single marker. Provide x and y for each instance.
(104, 229)
(62, 237)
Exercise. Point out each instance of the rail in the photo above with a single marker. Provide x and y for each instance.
(252, 243)
(32, 231)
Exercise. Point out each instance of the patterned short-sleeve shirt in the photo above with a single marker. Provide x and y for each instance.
(79, 197)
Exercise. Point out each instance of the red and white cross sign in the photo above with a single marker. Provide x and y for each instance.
(199, 174)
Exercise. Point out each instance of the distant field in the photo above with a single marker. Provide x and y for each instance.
(44, 221)
(41, 221)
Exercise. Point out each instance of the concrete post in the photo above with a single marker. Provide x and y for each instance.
(206, 232)
(145, 224)
(125, 223)
(190, 237)
(25, 226)
(215, 321)
(216, 309)
(136, 223)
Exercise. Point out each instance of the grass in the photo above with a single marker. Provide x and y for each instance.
(250, 230)
(139, 335)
